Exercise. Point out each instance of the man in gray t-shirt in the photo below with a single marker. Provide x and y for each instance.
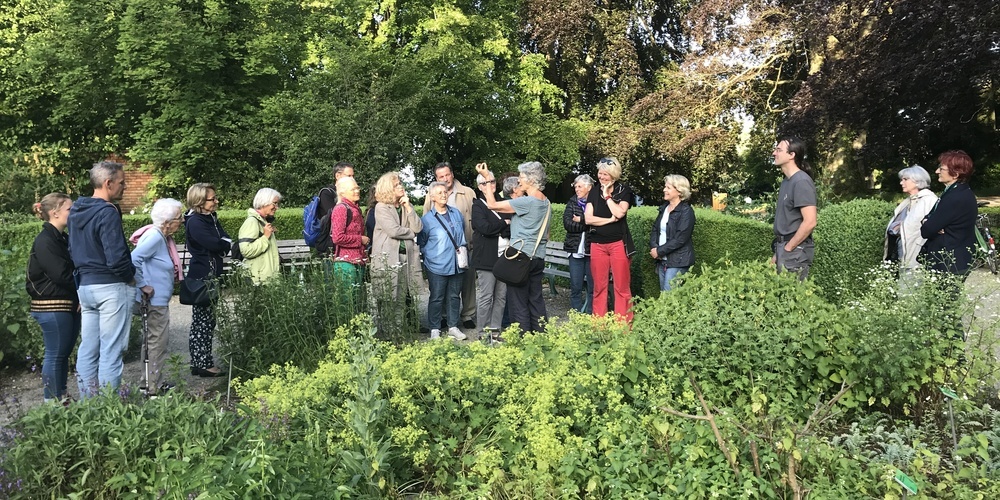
(795, 210)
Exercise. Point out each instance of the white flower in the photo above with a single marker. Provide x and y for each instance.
(131, 212)
(748, 200)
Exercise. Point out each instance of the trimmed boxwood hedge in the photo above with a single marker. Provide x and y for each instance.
(850, 239)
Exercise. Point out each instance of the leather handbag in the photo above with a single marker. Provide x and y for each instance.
(199, 292)
(514, 265)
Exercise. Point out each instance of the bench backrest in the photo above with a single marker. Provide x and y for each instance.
(292, 252)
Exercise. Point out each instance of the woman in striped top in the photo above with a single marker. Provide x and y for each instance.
(54, 303)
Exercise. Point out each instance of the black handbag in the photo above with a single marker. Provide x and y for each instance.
(514, 265)
(199, 292)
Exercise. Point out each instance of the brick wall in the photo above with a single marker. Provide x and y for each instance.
(136, 184)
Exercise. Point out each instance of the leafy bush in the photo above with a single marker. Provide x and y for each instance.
(904, 338)
(121, 447)
(20, 336)
(291, 318)
(849, 242)
(750, 337)
(755, 339)
(464, 423)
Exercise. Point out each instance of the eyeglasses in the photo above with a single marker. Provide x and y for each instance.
(779, 150)
(488, 182)
(211, 199)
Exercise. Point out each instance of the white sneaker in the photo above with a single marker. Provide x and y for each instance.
(456, 333)
(435, 334)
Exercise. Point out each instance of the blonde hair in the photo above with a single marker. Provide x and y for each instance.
(385, 188)
(680, 183)
(49, 203)
(611, 166)
(197, 195)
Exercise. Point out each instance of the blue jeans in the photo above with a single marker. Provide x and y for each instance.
(578, 270)
(104, 326)
(668, 273)
(445, 298)
(59, 331)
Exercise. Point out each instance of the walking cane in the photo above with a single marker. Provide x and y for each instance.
(144, 312)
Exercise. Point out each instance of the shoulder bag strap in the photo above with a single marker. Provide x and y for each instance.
(541, 230)
(450, 237)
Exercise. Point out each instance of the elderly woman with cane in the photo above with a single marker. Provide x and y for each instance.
(155, 254)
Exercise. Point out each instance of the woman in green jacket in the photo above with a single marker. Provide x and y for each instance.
(257, 237)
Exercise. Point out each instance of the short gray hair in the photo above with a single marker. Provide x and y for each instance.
(104, 171)
(165, 210)
(534, 173)
(584, 178)
(509, 185)
(918, 175)
(265, 197)
(437, 184)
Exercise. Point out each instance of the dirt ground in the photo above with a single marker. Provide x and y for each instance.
(22, 390)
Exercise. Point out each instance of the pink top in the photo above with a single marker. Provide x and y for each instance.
(347, 237)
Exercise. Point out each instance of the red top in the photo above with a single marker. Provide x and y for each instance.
(347, 237)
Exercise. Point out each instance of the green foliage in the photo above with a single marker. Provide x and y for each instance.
(288, 320)
(117, 446)
(587, 409)
(905, 337)
(20, 336)
(849, 242)
(733, 329)
(26, 177)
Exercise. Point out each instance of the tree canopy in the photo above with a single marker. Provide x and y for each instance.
(247, 93)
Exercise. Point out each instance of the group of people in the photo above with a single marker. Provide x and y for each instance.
(88, 282)
(930, 231)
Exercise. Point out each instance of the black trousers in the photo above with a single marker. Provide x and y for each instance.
(525, 304)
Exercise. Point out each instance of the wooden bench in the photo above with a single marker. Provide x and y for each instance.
(293, 253)
(556, 264)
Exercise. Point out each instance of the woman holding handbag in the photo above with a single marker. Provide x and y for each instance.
(528, 234)
(441, 240)
(490, 236)
(207, 243)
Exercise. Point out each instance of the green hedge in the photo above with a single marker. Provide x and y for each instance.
(849, 243)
